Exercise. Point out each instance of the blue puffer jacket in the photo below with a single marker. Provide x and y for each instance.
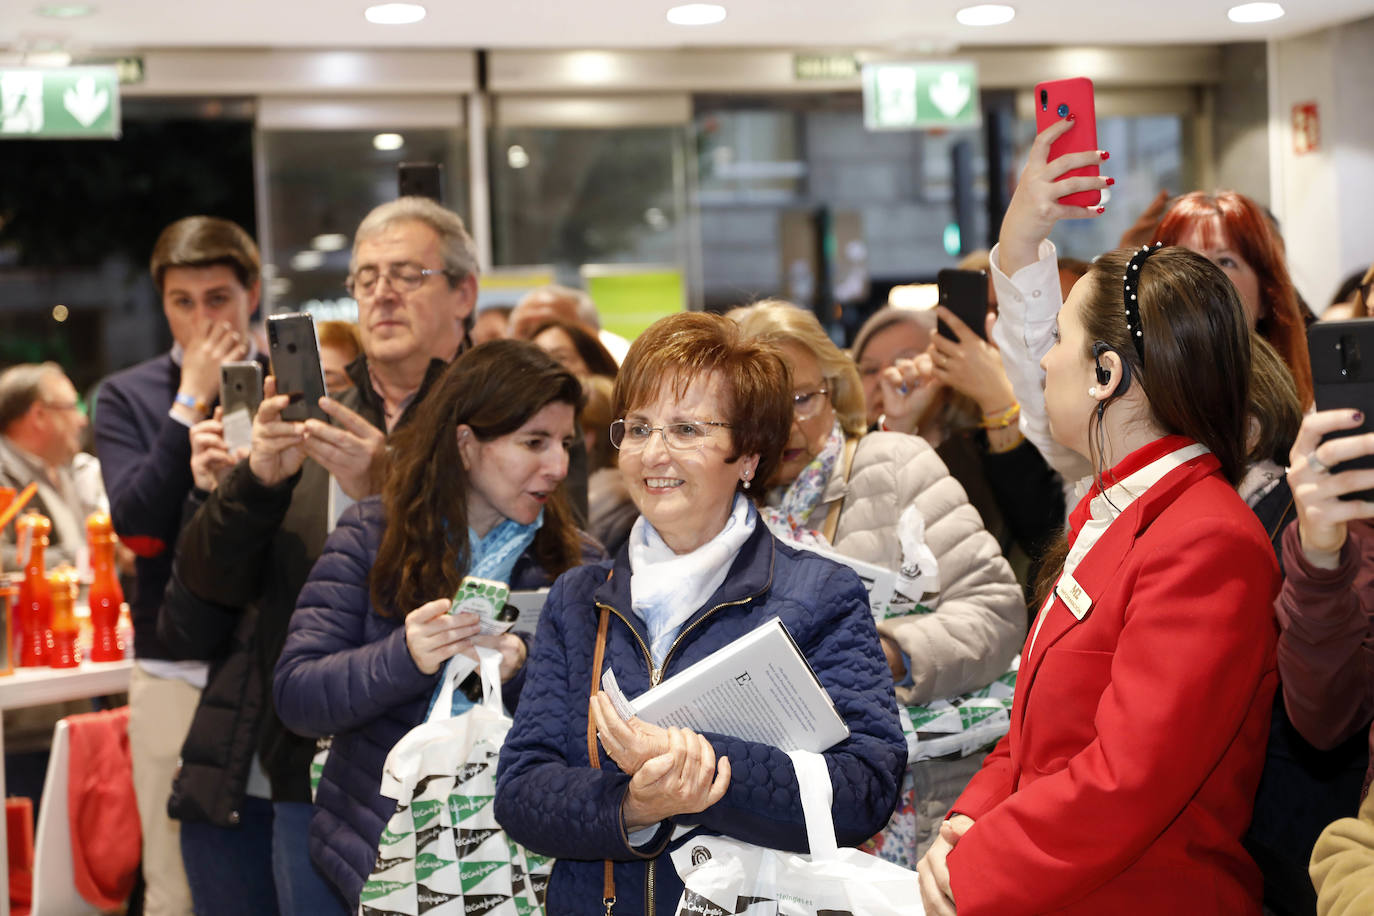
(548, 797)
(345, 671)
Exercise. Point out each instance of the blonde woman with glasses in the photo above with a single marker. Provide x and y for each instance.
(886, 498)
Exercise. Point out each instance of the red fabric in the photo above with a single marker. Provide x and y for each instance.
(1138, 733)
(19, 830)
(143, 545)
(103, 815)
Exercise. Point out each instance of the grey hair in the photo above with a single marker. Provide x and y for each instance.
(455, 244)
(20, 387)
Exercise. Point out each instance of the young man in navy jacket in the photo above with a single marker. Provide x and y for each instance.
(207, 273)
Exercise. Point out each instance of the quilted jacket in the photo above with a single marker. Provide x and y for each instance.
(550, 799)
(980, 614)
(345, 671)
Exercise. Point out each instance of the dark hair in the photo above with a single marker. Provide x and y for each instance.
(598, 359)
(1197, 365)
(205, 241)
(1196, 374)
(684, 347)
(494, 388)
(1253, 235)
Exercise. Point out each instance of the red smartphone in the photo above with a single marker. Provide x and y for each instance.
(1056, 100)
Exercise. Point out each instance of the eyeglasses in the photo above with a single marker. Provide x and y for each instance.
(634, 437)
(403, 279)
(58, 405)
(808, 403)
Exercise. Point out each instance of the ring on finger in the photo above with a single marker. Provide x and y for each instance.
(1321, 466)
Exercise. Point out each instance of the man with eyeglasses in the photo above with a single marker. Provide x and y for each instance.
(41, 427)
(257, 535)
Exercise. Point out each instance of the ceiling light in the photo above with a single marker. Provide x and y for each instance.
(387, 142)
(59, 313)
(47, 59)
(516, 157)
(696, 14)
(307, 260)
(329, 241)
(985, 14)
(394, 13)
(65, 10)
(1254, 12)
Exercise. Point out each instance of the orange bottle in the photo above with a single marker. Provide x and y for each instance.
(63, 584)
(35, 597)
(105, 596)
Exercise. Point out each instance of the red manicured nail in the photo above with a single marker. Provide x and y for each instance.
(1110, 182)
(1071, 116)
(1106, 155)
(1101, 209)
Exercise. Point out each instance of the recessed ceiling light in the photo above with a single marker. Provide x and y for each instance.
(329, 241)
(696, 14)
(386, 142)
(985, 14)
(1254, 12)
(307, 260)
(65, 10)
(394, 13)
(516, 157)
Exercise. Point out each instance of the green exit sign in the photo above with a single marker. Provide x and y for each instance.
(912, 96)
(66, 102)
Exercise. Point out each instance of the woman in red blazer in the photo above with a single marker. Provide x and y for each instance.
(1142, 704)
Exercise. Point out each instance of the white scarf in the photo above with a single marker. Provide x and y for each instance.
(666, 588)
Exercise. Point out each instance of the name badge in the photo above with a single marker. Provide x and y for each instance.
(1071, 593)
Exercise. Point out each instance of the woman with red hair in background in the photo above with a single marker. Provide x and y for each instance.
(1236, 234)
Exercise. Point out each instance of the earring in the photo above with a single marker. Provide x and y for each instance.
(746, 483)
(1092, 392)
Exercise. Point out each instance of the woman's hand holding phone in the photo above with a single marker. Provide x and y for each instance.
(1323, 516)
(1035, 206)
(278, 449)
(433, 635)
(972, 366)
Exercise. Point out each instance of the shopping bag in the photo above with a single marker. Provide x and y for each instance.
(442, 851)
(726, 876)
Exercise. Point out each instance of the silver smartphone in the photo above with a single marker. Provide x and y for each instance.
(240, 386)
(296, 365)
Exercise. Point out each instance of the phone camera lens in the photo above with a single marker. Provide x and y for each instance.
(1063, 109)
(290, 348)
(1044, 100)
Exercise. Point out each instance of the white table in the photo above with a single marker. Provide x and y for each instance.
(37, 686)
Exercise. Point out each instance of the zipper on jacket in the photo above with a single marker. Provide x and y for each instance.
(656, 675)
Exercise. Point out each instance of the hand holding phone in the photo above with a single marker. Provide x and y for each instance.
(1341, 379)
(1057, 100)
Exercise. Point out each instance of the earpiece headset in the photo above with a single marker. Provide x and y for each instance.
(1104, 375)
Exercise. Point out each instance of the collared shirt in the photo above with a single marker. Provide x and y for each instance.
(66, 495)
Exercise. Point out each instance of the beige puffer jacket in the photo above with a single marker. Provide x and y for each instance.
(979, 617)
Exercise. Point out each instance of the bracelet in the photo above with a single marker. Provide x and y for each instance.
(200, 407)
(1003, 418)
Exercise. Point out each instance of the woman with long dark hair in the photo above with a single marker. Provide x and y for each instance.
(1142, 704)
(486, 455)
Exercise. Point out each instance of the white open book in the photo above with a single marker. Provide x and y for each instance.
(758, 688)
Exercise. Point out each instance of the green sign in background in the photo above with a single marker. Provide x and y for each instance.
(630, 299)
(68, 102)
(911, 96)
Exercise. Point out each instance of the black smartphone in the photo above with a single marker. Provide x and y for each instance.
(420, 179)
(965, 293)
(1342, 379)
(296, 365)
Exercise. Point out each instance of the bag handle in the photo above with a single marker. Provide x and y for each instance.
(832, 518)
(813, 785)
(598, 658)
(455, 671)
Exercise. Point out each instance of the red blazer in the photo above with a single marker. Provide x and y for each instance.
(1138, 733)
